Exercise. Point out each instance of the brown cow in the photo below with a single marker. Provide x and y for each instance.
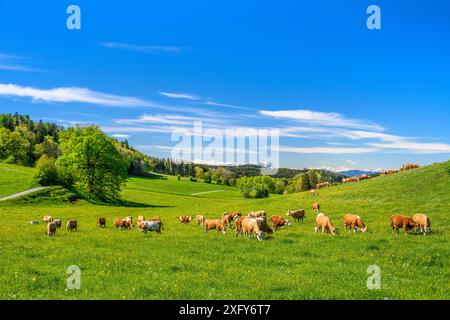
(409, 166)
(401, 221)
(423, 223)
(51, 229)
(101, 222)
(122, 223)
(72, 225)
(214, 224)
(316, 207)
(248, 226)
(185, 219)
(296, 214)
(200, 219)
(324, 223)
(118, 223)
(354, 222)
(127, 223)
(257, 214)
(228, 218)
(279, 222)
(323, 185)
(313, 193)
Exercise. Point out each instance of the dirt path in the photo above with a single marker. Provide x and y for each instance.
(196, 194)
(20, 194)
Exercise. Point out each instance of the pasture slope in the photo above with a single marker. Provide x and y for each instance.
(183, 263)
(14, 179)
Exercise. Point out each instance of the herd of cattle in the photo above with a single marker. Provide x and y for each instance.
(404, 167)
(253, 224)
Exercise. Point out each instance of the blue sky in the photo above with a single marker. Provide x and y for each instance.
(342, 96)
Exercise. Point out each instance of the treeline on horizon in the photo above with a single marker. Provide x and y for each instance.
(85, 158)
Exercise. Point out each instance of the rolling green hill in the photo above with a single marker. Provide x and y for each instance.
(183, 263)
(14, 179)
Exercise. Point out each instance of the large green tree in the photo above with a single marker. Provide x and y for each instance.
(91, 160)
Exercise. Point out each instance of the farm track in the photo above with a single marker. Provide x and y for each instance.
(23, 193)
(199, 193)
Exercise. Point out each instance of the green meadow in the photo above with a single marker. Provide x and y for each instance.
(14, 179)
(184, 263)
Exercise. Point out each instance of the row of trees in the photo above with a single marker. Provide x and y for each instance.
(189, 169)
(262, 186)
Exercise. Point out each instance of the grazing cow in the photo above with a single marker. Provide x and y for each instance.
(234, 215)
(185, 219)
(354, 222)
(323, 222)
(72, 225)
(314, 193)
(401, 221)
(316, 207)
(58, 223)
(257, 214)
(363, 177)
(409, 166)
(101, 222)
(146, 226)
(51, 229)
(279, 222)
(388, 172)
(157, 219)
(140, 219)
(128, 222)
(252, 226)
(118, 223)
(423, 223)
(323, 185)
(296, 214)
(228, 218)
(217, 224)
(199, 219)
(47, 219)
(350, 180)
(248, 226)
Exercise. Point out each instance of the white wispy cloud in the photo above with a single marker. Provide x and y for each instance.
(322, 118)
(10, 62)
(178, 95)
(351, 162)
(152, 49)
(161, 119)
(201, 100)
(326, 150)
(414, 147)
(73, 94)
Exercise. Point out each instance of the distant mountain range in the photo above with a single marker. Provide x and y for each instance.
(356, 173)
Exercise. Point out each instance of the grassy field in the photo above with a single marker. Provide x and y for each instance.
(14, 179)
(183, 263)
